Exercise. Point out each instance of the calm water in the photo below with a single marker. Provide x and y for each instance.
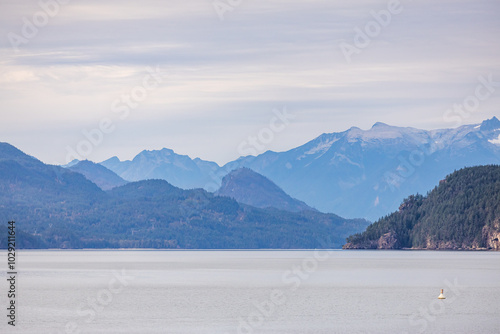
(219, 292)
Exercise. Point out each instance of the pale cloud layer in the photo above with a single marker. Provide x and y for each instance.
(222, 79)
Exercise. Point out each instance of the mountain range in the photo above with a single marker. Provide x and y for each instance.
(260, 201)
(59, 207)
(355, 173)
(179, 170)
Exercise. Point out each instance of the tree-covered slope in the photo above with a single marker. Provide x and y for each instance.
(156, 214)
(463, 212)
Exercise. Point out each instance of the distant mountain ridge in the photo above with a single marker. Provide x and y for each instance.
(463, 212)
(355, 173)
(165, 164)
(56, 207)
(249, 187)
(98, 174)
(360, 173)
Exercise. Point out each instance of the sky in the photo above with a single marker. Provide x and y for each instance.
(100, 78)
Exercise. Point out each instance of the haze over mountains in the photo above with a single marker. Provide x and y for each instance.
(179, 170)
(100, 175)
(60, 208)
(355, 173)
(249, 187)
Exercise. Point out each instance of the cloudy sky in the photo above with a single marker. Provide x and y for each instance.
(70, 67)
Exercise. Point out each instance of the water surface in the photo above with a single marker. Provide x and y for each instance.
(218, 292)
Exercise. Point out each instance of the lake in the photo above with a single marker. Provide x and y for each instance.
(231, 292)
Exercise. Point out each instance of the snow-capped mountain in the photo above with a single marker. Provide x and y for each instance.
(355, 173)
(360, 173)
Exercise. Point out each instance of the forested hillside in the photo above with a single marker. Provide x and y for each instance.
(463, 212)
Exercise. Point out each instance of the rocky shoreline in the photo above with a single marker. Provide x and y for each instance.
(390, 241)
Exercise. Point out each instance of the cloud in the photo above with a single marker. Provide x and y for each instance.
(264, 55)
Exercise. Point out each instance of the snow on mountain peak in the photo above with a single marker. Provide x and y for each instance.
(378, 131)
(380, 125)
(495, 141)
(322, 146)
